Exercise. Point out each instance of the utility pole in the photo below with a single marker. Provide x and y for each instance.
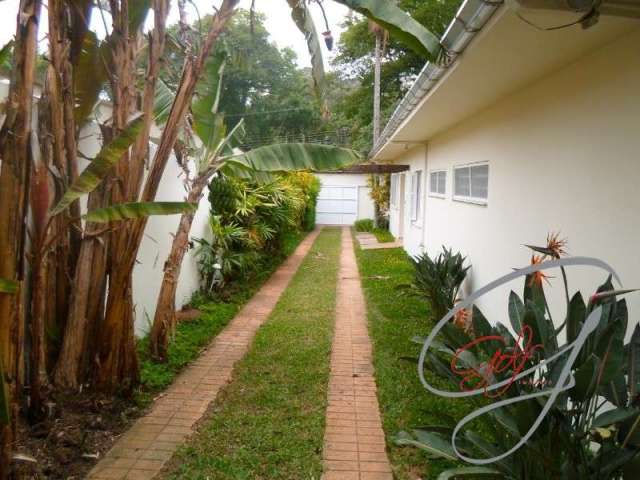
(379, 33)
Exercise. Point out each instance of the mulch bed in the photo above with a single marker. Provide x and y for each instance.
(80, 429)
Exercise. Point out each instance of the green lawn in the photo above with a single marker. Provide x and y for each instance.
(383, 236)
(268, 423)
(192, 336)
(394, 318)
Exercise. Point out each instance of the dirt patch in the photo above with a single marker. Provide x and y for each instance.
(80, 429)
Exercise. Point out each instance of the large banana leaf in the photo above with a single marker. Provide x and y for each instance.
(398, 23)
(163, 102)
(90, 75)
(138, 11)
(8, 286)
(296, 156)
(5, 56)
(101, 165)
(125, 211)
(470, 472)
(204, 106)
(303, 20)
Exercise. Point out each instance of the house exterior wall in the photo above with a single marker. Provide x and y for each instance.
(359, 181)
(412, 232)
(564, 155)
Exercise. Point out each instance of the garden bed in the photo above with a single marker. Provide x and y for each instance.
(82, 428)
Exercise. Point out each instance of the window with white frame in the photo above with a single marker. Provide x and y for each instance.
(471, 183)
(416, 193)
(438, 183)
(394, 191)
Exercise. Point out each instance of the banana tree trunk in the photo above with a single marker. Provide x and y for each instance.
(15, 140)
(164, 322)
(111, 355)
(117, 361)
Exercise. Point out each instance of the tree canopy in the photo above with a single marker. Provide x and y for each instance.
(352, 105)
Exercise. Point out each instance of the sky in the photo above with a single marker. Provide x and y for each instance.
(283, 31)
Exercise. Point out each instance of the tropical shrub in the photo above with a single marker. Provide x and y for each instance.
(438, 280)
(248, 224)
(380, 193)
(577, 438)
(364, 225)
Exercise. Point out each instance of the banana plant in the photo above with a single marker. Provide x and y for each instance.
(6, 287)
(99, 169)
(214, 148)
(383, 12)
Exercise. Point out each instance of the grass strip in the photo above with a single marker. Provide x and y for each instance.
(394, 318)
(383, 236)
(268, 423)
(192, 336)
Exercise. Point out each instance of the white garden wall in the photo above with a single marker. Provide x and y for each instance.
(356, 203)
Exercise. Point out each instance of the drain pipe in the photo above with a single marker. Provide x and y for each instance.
(621, 8)
(471, 17)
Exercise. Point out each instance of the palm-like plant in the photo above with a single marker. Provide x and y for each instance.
(577, 438)
(439, 280)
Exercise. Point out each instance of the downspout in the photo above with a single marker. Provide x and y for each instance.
(425, 197)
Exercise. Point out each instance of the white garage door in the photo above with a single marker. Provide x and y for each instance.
(337, 205)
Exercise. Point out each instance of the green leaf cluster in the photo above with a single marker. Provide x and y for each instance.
(605, 372)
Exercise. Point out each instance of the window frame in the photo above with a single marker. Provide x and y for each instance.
(437, 194)
(415, 209)
(394, 193)
(469, 198)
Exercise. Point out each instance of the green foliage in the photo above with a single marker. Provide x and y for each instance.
(394, 319)
(351, 89)
(269, 422)
(125, 211)
(263, 84)
(249, 223)
(101, 165)
(295, 156)
(194, 335)
(380, 193)
(439, 280)
(563, 444)
(364, 225)
(383, 236)
(402, 26)
(8, 286)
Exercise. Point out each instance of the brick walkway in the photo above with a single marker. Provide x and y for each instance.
(143, 450)
(354, 441)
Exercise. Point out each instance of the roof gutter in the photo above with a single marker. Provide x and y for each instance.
(471, 17)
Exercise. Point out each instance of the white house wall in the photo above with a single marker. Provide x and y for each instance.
(412, 233)
(564, 155)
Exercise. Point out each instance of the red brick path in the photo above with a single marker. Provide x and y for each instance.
(143, 450)
(354, 441)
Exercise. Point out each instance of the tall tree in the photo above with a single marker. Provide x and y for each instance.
(352, 86)
(15, 152)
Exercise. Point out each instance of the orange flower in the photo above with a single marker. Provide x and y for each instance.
(556, 245)
(539, 276)
(462, 320)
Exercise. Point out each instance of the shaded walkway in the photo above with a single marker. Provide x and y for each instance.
(354, 440)
(143, 450)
